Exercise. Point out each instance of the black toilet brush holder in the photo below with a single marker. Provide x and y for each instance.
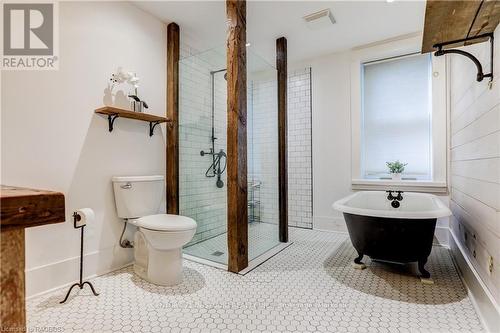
(81, 283)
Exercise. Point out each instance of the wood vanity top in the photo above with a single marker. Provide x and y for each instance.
(20, 208)
(24, 207)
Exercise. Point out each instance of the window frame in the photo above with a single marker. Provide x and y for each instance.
(439, 131)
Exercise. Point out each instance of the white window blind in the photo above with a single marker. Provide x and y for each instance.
(396, 116)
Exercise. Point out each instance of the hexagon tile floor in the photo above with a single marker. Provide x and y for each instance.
(309, 287)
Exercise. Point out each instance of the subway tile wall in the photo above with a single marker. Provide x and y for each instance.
(299, 149)
(263, 146)
(263, 143)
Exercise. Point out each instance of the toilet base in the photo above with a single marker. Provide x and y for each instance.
(164, 267)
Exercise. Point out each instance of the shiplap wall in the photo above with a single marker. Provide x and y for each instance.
(475, 162)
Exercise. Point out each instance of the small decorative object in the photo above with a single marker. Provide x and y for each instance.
(121, 76)
(396, 168)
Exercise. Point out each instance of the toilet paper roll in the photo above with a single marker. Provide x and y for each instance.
(86, 215)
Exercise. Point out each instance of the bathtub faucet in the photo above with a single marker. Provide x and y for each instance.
(395, 199)
(391, 197)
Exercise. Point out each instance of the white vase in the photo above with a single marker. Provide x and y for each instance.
(396, 176)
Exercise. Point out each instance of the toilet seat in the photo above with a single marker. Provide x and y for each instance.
(165, 223)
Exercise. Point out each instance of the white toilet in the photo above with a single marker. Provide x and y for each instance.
(158, 242)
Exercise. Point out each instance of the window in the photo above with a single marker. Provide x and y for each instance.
(396, 114)
(398, 111)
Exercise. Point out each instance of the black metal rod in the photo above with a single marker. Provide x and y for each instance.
(80, 283)
(439, 45)
(81, 257)
(480, 74)
(492, 47)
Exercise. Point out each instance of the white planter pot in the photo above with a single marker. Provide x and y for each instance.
(396, 176)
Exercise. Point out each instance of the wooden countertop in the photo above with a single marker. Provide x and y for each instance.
(24, 207)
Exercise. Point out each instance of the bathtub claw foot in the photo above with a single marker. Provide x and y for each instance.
(426, 280)
(423, 271)
(358, 264)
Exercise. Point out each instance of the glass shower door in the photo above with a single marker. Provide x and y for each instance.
(262, 135)
(202, 147)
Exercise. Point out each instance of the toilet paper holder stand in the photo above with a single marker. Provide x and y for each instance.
(81, 283)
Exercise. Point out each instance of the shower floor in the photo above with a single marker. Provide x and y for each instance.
(261, 238)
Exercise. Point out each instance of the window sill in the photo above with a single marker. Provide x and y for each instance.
(400, 185)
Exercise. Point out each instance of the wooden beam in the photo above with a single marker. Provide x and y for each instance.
(486, 20)
(237, 200)
(172, 156)
(12, 302)
(447, 20)
(281, 66)
(453, 20)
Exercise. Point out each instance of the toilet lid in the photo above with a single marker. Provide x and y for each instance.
(166, 222)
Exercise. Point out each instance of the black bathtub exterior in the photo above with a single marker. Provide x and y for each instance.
(392, 239)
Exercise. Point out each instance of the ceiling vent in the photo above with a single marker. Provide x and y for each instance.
(319, 20)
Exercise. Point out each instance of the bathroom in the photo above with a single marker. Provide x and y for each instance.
(263, 129)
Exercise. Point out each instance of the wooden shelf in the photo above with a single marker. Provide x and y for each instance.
(454, 20)
(113, 113)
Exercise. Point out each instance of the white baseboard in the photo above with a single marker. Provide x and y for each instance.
(50, 277)
(486, 306)
(329, 223)
(442, 236)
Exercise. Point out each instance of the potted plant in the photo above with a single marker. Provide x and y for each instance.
(396, 168)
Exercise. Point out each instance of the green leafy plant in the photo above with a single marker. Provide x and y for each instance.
(396, 166)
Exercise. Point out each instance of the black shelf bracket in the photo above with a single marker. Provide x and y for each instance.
(111, 121)
(152, 125)
(480, 74)
(112, 118)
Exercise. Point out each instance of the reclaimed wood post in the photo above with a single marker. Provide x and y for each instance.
(237, 212)
(172, 156)
(281, 66)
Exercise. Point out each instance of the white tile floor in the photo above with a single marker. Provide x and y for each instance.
(310, 286)
(261, 238)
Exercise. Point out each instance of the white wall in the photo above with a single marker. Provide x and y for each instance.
(475, 163)
(331, 133)
(52, 139)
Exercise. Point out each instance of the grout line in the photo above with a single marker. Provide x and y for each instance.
(477, 159)
(475, 139)
(470, 196)
(477, 179)
(475, 119)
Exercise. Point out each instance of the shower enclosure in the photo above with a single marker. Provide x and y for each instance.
(203, 147)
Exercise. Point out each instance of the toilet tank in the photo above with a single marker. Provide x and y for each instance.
(138, 196)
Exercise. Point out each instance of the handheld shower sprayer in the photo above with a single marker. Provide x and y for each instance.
(216, 169)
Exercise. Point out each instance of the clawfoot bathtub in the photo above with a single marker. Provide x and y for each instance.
(386, 231)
